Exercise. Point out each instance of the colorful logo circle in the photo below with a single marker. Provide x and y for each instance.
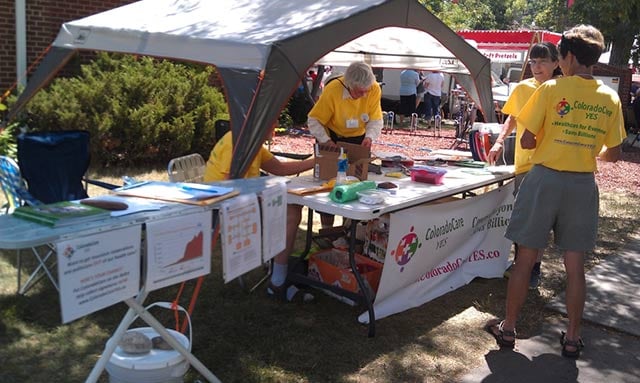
(563, 108)
(406, 248)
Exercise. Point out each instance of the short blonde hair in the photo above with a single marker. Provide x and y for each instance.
(359, 75)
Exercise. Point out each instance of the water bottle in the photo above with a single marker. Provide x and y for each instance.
(343, 164)
(316, 169)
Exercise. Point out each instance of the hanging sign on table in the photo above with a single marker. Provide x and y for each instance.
(98, 270)
(273, 203)
(241, 236)
(178, 249)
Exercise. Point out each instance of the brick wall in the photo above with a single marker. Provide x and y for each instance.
(44, 19)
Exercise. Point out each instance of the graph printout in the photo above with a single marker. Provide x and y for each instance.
(241, 239)
(178, 249)
(98, 270)
(273, 201)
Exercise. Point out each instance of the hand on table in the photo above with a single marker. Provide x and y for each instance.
(494, 153)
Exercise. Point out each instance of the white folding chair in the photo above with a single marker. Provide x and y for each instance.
(189, 168)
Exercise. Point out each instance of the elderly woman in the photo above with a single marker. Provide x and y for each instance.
(348, 109)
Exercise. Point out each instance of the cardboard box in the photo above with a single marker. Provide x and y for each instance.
(332, 267)
(376, 238)
(358, 156)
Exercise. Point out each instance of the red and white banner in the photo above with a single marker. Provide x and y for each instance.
(434, 249)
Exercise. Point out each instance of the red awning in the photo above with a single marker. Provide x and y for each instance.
(508, 40)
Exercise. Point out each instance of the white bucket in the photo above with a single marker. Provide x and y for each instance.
(157, 366)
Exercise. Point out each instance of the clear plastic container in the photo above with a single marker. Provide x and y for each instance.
(371, 197)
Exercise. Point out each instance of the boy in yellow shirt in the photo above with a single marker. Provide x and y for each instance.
(217, 169)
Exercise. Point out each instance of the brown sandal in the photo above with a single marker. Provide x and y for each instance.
(495, 327)
(578, 344)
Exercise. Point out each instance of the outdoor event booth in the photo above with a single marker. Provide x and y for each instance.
(262, 48)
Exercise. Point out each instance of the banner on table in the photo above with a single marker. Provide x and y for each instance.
(436, 248)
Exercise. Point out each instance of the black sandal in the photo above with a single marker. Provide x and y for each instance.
(578, 344)
(496, 329)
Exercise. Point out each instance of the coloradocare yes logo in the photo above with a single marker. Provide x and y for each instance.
(406, 248)
(563, 108)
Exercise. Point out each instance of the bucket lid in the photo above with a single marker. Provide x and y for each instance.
(155, 359)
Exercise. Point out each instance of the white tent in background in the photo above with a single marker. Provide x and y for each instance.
(262, 48)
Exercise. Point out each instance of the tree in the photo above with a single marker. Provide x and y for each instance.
(464, 14)
(616, 19)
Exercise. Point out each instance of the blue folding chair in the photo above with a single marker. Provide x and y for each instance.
(54, 164)
(52, 167)
(16, 194)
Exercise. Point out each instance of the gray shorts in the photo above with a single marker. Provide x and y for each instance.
(565, 202)
(517, 181)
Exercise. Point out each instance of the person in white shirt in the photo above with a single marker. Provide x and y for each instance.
(434, 83)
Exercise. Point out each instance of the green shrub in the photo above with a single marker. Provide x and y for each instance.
(8, 145)
(139, 110)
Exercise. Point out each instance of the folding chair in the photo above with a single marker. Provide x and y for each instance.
(16, 194)
(54, 164)
(189, 168)
(52, 167)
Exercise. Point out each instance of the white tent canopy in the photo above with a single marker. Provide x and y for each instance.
(262, 48)
(398, 48)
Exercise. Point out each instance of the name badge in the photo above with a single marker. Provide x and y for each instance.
(352, 123)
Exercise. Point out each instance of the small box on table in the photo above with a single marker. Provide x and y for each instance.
(357, 155)
(428, 174)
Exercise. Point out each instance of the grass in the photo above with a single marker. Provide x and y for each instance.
(245, 337)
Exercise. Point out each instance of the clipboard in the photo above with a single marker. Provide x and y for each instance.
(192, 194)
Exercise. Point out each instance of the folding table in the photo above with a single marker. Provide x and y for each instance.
(16, 234)
(408, 194)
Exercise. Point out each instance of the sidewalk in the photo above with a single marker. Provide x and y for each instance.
(611, 331)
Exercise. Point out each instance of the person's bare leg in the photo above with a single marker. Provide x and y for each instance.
(281, 260)
(576, 293)
(326, 220)
(519, 285)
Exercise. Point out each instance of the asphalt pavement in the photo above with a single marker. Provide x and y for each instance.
(611, 333)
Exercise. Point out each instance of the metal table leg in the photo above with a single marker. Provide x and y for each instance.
(364, 295)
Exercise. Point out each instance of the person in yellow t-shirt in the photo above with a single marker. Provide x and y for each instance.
(217, 169)
(543, 60)
(582, 120)
(348, 110)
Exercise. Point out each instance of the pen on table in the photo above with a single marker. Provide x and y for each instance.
(203, 188)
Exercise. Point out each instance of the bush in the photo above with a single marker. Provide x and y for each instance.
(8, 146)
(139, 110)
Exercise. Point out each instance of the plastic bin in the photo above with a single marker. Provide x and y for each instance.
(428, 174)
(157, 366)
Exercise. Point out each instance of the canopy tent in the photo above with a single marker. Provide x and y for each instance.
(262, 48)
(508, 46)
(399, 48)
